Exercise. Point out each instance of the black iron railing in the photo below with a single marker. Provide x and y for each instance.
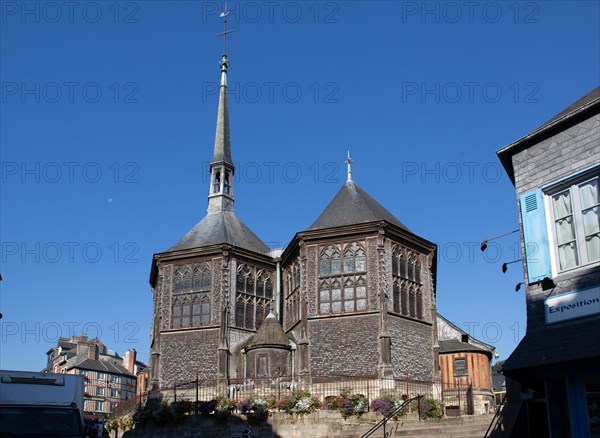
(393, 413)
(498, 420)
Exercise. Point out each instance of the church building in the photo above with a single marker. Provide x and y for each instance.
(353, 294)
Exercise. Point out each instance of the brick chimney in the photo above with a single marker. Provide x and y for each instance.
(92, 351)
(129, 360)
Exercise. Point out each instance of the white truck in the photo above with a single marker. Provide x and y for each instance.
(34, 404)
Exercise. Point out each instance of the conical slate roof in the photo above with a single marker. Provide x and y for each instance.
(270, 333)
(351, 206)
(222, 227)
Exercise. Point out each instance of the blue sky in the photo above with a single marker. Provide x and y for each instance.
(108, 115)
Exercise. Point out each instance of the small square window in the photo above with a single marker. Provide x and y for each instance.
(460, 367)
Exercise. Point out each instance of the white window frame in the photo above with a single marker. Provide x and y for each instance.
(549, 192)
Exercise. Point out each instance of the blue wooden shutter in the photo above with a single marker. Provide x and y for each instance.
(535, 236)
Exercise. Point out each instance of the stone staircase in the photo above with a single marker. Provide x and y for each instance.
(463, 427)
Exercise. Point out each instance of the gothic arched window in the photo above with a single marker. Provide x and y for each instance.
(349, 298)
(181, 312)
(240, 310)
(176, 312)
(396, 298)
(201, 278)
(191, 312)
(345, 289)
(182, 280)
(330, 297)
(330, 262)
(177, 284)
(354, 258)
(360, 294)
(292, 294)
(417, 270)
(226, 184)
(254, 292)
(407, 292)
(200, 311)
(411, 266)
(402, 263)
(395, 260)
(264, 287)
(245, 280)
(269, 289)
(412, 302)
(403, 300)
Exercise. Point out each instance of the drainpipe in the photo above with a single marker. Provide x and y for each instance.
(278, 293)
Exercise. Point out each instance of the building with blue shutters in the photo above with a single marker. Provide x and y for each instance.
(555, 369)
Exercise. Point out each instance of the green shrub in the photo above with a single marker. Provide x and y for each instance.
(428, 408)
(300, 402)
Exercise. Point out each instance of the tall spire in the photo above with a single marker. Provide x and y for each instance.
(220, 196)
(222, 142)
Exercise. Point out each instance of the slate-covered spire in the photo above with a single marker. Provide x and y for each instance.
(220, 197)
(222, 142)
(221, 225)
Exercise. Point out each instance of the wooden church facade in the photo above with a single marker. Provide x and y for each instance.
(352, 295)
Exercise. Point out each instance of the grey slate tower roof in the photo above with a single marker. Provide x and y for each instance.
(221, 225)
(351, 206)
(270, 333)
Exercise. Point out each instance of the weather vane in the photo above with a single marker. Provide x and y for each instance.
(224, 15)
(349, 162)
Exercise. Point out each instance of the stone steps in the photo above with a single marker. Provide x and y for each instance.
(464, 427)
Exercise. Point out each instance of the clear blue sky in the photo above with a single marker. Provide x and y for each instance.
(107, 127)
